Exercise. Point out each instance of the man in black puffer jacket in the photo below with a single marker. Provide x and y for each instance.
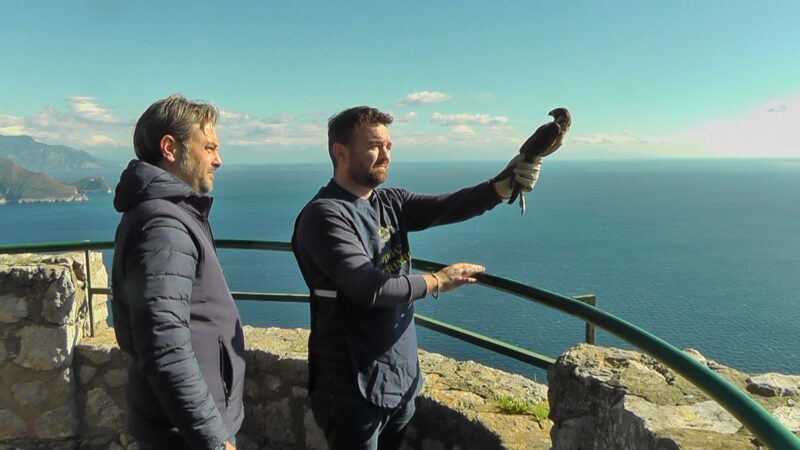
(173, 312)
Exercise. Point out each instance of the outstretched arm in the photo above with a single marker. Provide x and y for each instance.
(422, 211)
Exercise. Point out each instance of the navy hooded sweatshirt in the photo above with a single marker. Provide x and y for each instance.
(355, 258)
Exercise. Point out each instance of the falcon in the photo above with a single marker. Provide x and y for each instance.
(544, 141)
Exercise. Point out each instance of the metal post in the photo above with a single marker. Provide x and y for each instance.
(589, 299)
(89, 293)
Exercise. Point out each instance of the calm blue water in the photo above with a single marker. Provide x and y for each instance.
(702, 253)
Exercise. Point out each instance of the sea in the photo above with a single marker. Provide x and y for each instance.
(703, 253)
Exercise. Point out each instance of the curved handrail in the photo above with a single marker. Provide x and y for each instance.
(752, 415)
(743, 407)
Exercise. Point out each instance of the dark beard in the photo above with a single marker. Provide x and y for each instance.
(373, 178)
(376, 178)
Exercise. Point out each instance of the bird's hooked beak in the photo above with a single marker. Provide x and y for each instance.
(561, 117)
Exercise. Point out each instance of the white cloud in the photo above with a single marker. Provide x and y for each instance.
(83, 124)
(283, 130)
(405, 118)
(423, 97)
(467, 119)
(99, 139)
(624, 138)
(463, 130)
(504, 130)
(11, 125)
(769, 130)
(84, 107)
(14, 130)
(8, 121)
(225, 115)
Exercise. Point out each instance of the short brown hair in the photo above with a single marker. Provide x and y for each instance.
(174, 115)
(342, 124)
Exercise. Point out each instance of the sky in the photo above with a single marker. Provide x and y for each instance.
(464, 80)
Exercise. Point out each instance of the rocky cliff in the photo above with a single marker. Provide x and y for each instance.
(34, 155)
(603, 398)
(88, 185)
(20, 185)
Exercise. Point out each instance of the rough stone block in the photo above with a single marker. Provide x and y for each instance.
(11, 425)
(60, 422)
(32, 393)
(99, 353)
(273, 383)
(46, 348)
(315, 438)
(64, 382)
(86, 374)
(250, 389)
(789, 416)
(102, 413)
(116, 377)
(299, 392)
(277, 415)
(706, 416)
(12, 308)
(59, 302)
(431, 444)
(774, 384)
(612, 398)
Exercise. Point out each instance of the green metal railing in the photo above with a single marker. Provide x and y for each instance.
(754, 417)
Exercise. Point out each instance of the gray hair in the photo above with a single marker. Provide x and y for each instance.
(174, 115)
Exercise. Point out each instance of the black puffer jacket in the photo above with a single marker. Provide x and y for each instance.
(173, 313)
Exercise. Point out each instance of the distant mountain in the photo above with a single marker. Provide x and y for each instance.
(88, 185)
(27, 152)
(20, 185)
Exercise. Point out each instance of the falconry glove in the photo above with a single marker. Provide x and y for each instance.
(525, 174)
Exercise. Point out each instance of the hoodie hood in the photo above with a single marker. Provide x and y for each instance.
(142, 181)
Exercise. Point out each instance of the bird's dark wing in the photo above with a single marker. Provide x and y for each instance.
(541, 141)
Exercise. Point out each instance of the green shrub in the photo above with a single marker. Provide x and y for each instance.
(514, 405)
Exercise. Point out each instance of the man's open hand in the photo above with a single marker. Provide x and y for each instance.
(454, 276)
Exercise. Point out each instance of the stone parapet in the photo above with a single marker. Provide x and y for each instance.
(64, 389)
(604, 398)
(60, 388)
(102, 373)
(43, 315)
(457, 409)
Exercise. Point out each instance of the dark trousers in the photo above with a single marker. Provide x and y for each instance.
(350, 422)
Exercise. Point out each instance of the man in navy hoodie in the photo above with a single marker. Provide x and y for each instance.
(351, 243)
(173, 312)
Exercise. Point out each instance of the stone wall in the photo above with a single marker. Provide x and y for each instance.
(60, 388)
(64, 389)
(457, 408)
(43, 314)
(607, 398)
